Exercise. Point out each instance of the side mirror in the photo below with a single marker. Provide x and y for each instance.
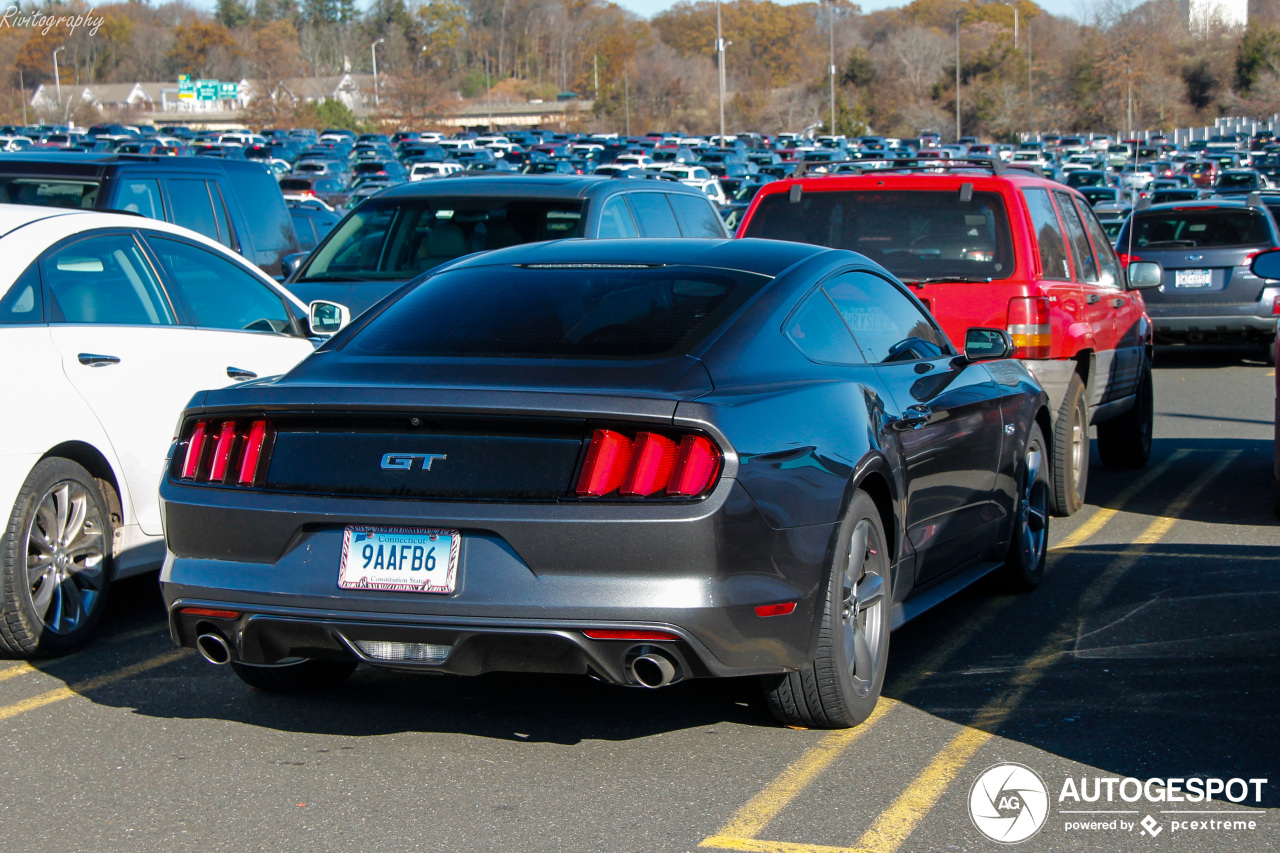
(1266, 264)
(327, 318)
(987, 344)
(1142, 275)
(289, 263)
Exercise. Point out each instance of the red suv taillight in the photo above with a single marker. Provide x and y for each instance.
(1126, 259)
(1029, 326)
(648, 464)
(229, 452)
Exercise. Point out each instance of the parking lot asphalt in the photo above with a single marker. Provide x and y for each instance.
(1150, 651)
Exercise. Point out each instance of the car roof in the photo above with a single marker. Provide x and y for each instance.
(1208, 204)
(87, 164)
(531, 186)
(764, 257)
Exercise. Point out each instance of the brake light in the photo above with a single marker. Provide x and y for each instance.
(1029, 326)
(1126, 259)
(234, 457)
(648, 464)
(1248, 259)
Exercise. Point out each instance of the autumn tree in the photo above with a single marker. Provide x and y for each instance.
(198, 46)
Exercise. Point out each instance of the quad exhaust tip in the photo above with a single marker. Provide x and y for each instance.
(653, 670)
(214, 649)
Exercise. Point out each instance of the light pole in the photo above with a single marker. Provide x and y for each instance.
(373, 51)
(720, 69)
(831, 42)
(959, 15)
(57, 78)
(1015, 24)
(1031, 104)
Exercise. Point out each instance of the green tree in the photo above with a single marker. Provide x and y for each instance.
(1259, 52)
(232, 13)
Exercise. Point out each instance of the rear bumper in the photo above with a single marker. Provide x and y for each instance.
(1206, 321)
(531, 578)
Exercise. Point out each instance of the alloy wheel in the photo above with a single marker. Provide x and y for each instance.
(65, 556)
(863, 608)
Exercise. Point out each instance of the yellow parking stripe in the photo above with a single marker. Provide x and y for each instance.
(1102, 515)
(763, 807)
(759, 845)
(17, 669)
(60, 693)
(896, 824)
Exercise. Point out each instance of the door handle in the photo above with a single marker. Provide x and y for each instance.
(95, 360)
(915, 416)
(240, 374)
(1118, 302)
(1092, 298)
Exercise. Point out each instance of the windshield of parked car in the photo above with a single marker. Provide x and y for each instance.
(913, 234)
(49, 192)
(1212, 227)
(399, 238)
(558, 311)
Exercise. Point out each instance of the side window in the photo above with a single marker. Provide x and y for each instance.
(1086, 266)
(1108, 266)
(140, 195)
(884, 321)
(654, 215)
(816, 330)
(219, 292)
(192, 207)
(697, 218)
(104, 279)
(24, 303)
(225, 235)
(1053, 248)
(615, 219)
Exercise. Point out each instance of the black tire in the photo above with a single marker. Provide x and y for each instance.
(830, 693)
(56, 561)
(1125, 442)
(304, 676)
(1029, 540)
(1071, 450)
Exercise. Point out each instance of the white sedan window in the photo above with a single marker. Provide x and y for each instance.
(105, 280)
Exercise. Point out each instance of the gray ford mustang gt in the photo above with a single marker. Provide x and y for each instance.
(643, 460)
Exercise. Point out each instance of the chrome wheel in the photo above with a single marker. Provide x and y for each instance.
(65, 556)
(1033, 509)
(862, 609)
(1079, 444)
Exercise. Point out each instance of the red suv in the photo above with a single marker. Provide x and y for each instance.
(983, 246)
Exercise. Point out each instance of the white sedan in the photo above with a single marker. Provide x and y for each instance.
(109, 324)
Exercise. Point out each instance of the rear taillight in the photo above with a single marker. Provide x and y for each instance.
(648, 464)
(1126, 259)
(1029, 326)
(229, 452)
(1248, 259)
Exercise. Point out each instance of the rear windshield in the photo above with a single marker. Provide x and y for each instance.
(399, 238)
(1228, 180)
(1202, 228)
(49, 192)
(1097, 194)
(913, 234)
(558, 312)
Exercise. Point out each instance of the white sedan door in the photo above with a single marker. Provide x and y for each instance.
(117, 334)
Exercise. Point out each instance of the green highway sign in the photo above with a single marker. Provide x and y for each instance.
(228, 91)
(206, 90)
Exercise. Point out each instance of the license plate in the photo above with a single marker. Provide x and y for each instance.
(1193, 278)
(399, 559)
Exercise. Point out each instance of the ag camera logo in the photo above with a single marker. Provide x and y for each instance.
(1008, 803)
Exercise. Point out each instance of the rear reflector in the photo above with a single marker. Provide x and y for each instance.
(609, 634)
(647, 465)
(210, 612)
(776, 609)
(1029, 326)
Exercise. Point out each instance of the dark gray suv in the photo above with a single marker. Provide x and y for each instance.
(412, 228)
(1209, 293)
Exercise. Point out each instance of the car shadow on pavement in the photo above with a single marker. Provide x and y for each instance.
(1176, 674)
(1192, 357)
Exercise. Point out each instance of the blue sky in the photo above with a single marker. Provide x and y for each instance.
(649, 8)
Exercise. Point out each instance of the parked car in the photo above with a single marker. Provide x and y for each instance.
(647, 461)
(412, 228)
(1010, 250)
(236, 203)
(313, 221)
(112, 322)
(1208, 293)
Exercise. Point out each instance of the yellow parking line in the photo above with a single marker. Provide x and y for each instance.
(764, 806)
(896, 823)
(1101, 516)
(60, 693)
(17, 669)
(759, 845)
